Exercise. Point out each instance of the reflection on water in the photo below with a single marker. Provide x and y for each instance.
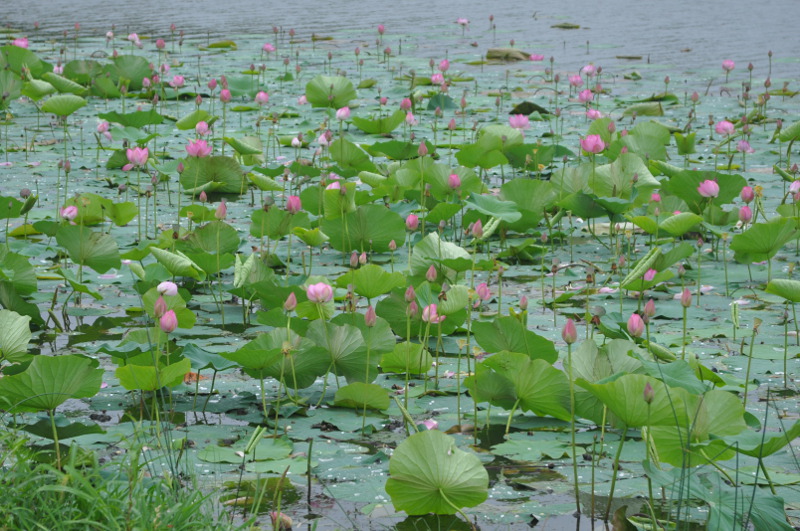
(685, 34)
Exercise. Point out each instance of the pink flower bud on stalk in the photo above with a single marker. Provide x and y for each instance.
(293, 204)
(655, 197)
(392, 246)
(423, 149)
(405, 104)
(319, 293)
(160, 307)
(431, 274)
(69, 213)
(291, 303)
(523, 303)
(477, 229)
(370, 317)
(454, 181)
(222, 210)
(745, 214)
(569, 333)
(343, 113)
(362, 258)
(648, 393)
(649, 310)
(168, 322)
(353, 260)
(413, 309)
(412, 222)
(686, 298)
(225, 96)
(262, 98)
(410, 294)
(747, 194)
(708, 188)
(635, 325)
(167, 288)
(724, 127)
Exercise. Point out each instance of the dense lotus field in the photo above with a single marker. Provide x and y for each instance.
(373, 281)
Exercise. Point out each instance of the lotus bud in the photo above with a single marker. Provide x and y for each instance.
(635, 325)
(354, 260)
(370, 317)
(648, 393)
(392, 246)
(431, 274)
(25, 193)
(523, 303)
(290, 303)
(203, 197)
(168, 322)
(569, 334)
(222, 210)
(413, 309)
(412, 222)
(423, 149)
(362, 258)
(649, 309)
(160, 307)
(477, 229)
(686, 298)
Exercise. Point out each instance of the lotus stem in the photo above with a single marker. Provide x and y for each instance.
(616, 472)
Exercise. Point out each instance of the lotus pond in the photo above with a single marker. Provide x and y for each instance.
(332, 282)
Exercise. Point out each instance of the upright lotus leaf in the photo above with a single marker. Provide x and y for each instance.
(326, 91)
(63, 85)
(190, 121)
(344, 345)
(429, 474)
(246, 145)
(11, 84)
(762, 241)
(16, 59)
(786, 288)
(508, 333)
(491, 206)
(48, 382)
(431, 250)
(219, 174)
(338, 202)
(762, 445)
(258, 356)
(616, 179)
(350, 158)
(97, 250)
(17, 271)
(129, 70)
(378, 338)
(37, 89)
(594, 364)
(15, 336)
(371, 281)
(380, 126)
(215, 237)
(685, 183)
(135, 119)
(679, 224)
(685, 143)
(532, 385)
(177, 263)
(407, 358)
(360, 395)
(534, 157)
(148, 378)
(63, 104)
(532, 197)
(718, 414)
(624, 397)
(370, 227)
(486, 153)
(276, 223)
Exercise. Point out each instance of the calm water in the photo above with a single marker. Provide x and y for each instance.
(685, 35)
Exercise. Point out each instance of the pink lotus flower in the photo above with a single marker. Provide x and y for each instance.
(728, 65)
(411, 119)
(536, 57)
(589, 70)
(461, 21)
(201, 128)
(576, 81)
(454, 181)
(708, 188)
(743, 146)
(477, 229)
(319, 293)
(430, 314)
(431, 274)
(293, 204)
(69, 213)
(343, 113)
(649, 309)
(593, 114)
(21, 42)
(585, 96)
(430, 424)
(569, 333)
(212, 84)
(159, 307)
(655, 197)
(102, 127)
(405, 104)
(58, 69)
(138, 156)
(412, 222)
(635, 325)
(222, 210)
(724, 127)
(648, 395)
(593, 144)
(370, 318)
(168, 322)
(198, 148)
(167, 288)
(422, 150)
(381, 29)
(686, 298)
(794, 187)
(160, 44)
(437, 79)
(262, 98)
(146, 82)
(290, 303)
(745, 214)
(483, 292)
(649, 275)
(747, 194)
(410, 294)
(519, 121)
(444, 65)
(225, 96)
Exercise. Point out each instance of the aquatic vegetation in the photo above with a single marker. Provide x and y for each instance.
(421, 284)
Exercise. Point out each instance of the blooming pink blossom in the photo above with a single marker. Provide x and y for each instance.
(198, 148)
(576, 80)
(69, 213)
(593, 144)
(437, 79)
(585, 96)
(593, 114)
(536, 57)
(21, 42)
(137, 156)
(319, 293)
(167, 288)
(201, 128)
(262, 98)
(708, 188)
(343, 113)
(724, 127)
(519, 121)
(728, 65)
(431, 315)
